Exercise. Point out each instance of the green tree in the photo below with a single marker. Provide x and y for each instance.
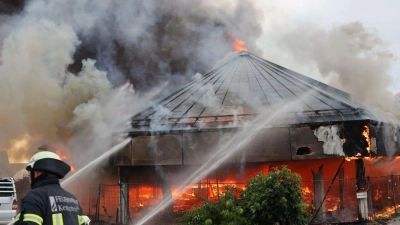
(275, 199)
(226, 211)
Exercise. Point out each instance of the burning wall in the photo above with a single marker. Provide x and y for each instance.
(349, 139)
(146, 186)
(261, 146)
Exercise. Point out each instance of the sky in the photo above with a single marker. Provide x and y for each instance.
(380, 17)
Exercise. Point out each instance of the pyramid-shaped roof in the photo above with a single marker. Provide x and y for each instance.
(245, 86)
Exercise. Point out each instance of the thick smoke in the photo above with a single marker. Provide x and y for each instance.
(65, 65)
(33, 61)
(73, 72)
(147, 42)
(42, 103)
(350, 57)
(8, 7)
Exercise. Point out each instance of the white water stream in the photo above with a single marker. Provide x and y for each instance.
(97, 160)
(222, 152)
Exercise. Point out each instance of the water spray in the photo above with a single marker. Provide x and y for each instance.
(97, 160)
(229, 148)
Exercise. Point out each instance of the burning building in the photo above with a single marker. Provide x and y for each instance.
(242, 117)
(246, 116)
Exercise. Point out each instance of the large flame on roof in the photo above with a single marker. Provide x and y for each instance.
(239, 45)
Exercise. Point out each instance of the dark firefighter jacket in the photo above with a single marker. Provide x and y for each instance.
(49, 204)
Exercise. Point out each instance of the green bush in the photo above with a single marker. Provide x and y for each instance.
(274, 199)
(226, 211)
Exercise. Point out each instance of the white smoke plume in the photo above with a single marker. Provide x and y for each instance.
(33, 61)
(350, 57)
(43, 103)
(333, 144)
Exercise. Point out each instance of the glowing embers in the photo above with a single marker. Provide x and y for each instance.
(194, 195)
(357, 156)
(332, 202)
(389, 211)
(143, 198)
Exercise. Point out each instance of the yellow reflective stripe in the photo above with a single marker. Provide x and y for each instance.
(80, 219)
(57, 219)
(28, 217)
(17, 217)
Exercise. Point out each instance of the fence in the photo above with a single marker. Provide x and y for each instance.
(340, 205)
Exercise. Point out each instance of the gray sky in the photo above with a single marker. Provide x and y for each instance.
(380, 17)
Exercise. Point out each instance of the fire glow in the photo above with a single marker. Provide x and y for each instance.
(17, 147)
(338, 205)
(349, 158)
(64, 157)
(239, 45)
(388, 212)
(366, 135)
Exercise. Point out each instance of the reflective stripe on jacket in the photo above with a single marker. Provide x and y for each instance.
(49, 204)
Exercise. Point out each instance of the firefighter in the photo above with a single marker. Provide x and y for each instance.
(48, 203)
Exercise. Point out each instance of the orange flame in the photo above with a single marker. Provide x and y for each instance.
(389, 211)
(64, 157)
(306, 190)
(349, 158)
(333, 208)
(366, 135)
(18, 148)
(239, 45)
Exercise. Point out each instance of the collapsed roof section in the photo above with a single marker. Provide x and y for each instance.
(247, 86)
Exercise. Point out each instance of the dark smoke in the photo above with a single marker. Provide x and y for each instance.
(65, 65)
(11, 6)
(148, 42)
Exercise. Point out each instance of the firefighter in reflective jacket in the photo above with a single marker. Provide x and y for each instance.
(48, 203)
